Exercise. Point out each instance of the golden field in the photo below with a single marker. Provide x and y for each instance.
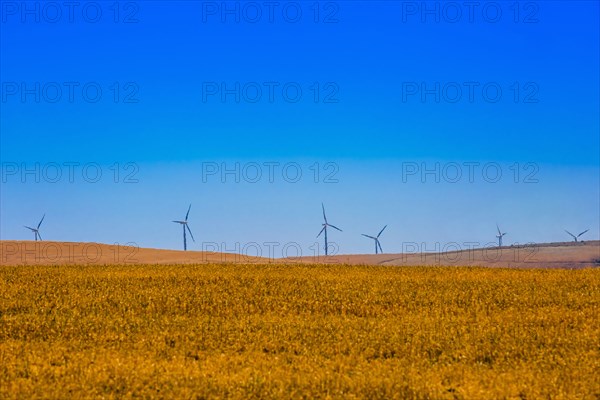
(298, 331)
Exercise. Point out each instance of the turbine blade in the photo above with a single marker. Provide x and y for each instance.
(324, 216)
(321, 232)
(379, 244)
(188, 212)
(583, 232)
(370, 237)
(190, 231)
(39, 235)
(33, 229)
(497, 227)
(335, 227)
(381, 231)
(570, 233)
(42, 220)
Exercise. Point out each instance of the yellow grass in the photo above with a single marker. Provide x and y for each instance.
(300, 331)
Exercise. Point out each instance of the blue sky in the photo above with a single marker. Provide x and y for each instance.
(385, 86)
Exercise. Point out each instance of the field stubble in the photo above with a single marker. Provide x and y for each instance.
(312, 331)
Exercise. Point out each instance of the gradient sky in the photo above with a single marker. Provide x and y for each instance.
(362, 120)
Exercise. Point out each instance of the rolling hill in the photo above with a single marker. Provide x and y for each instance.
(546, 255)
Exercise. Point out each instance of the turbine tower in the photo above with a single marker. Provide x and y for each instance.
(184, 225)
(325, 225)
(36, 231)
(576, 237)
(499, 236)
(376, 239)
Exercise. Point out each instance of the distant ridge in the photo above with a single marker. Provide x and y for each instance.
(82, 253)
(542, 255)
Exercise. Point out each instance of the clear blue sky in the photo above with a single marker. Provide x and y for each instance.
(386, 87)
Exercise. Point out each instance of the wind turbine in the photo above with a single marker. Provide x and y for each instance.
(184, 225)
(36, 231)
(376, 239)
(576, 237)
(499, 236)
(325, 225)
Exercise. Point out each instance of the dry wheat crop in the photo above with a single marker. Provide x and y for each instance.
(299, 331)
